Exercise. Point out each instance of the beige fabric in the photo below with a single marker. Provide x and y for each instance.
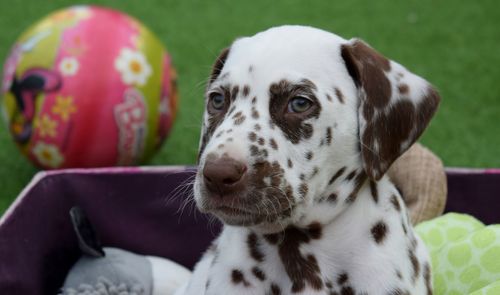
(420, 176)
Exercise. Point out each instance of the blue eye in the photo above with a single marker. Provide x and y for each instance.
(299, 104)
(217, 102)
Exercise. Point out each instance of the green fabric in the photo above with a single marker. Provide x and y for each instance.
(465, 255)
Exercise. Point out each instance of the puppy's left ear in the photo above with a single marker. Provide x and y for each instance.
(395, 106)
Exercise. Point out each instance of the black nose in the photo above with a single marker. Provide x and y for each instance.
(224, 175)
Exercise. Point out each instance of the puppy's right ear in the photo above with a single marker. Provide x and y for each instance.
(218, 65)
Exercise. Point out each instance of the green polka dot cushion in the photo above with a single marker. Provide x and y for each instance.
(465, 254)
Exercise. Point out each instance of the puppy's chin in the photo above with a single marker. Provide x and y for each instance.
(260, 223)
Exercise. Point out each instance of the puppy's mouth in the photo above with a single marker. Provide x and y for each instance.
(246, 209)
(237, 216)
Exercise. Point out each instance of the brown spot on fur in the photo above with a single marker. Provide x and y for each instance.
(275, 290)
(414, 264)
(253, 246)
(359, 181)
(329, 97)
(246, 90)
(254, 100)
(315, 171)
(255, 113)
(234, 92)
(347, 291)
(339, 95)
(374, 190)
(290, 163)
(427, 278)
(395, 203)
(379, 232)
(337, 175)
(328, 135)
(254, 150)
(258, 273)
(239, 120)
(300, 269)
(261, 141)
(403, 88)
(309, 155)
(256, 127)
(332, 197)
(303, 189)
(343, 278)
(315, 230)
(273, 144)
(351, 175)
(237, 277)
(252, 136)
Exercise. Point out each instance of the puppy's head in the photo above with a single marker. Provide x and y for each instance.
(297, 116)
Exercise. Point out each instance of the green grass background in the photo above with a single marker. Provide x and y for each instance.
(453, 44)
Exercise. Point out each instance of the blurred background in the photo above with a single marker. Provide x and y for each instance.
(454, 45)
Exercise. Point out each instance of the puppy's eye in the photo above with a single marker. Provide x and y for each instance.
(299, 104)
(216, 102)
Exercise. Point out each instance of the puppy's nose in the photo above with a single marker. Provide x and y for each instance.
(224, 175)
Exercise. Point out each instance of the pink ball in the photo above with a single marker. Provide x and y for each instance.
(88, 87)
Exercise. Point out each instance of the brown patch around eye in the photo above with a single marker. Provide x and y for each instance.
(293, 125)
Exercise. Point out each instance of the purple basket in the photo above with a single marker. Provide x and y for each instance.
(133, 208)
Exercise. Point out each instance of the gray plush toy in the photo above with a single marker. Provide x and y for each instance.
(112, 271)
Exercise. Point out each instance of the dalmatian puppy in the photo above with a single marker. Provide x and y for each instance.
(299, 129)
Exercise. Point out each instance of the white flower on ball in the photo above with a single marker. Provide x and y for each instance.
(48, 155)
(69, 66)
(133, 67)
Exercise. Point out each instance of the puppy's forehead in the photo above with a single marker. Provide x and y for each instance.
(293, 52)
